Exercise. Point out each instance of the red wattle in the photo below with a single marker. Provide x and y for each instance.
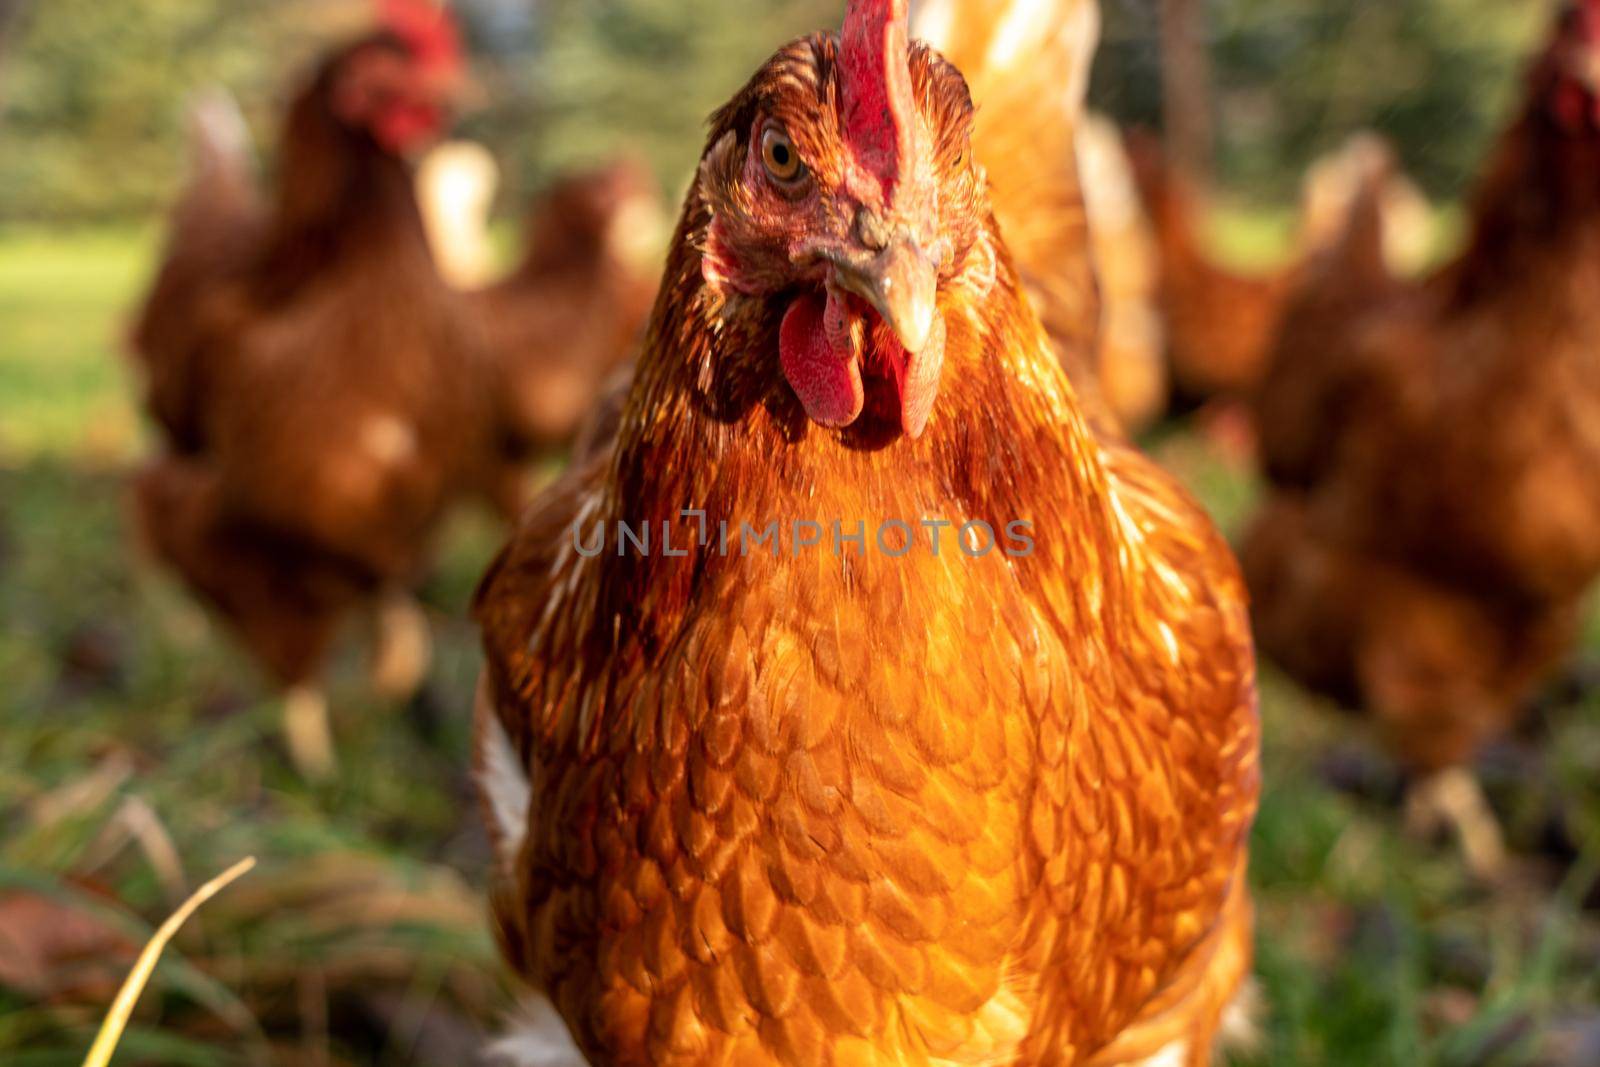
(825, 378)
(919, 382)
(404, 127)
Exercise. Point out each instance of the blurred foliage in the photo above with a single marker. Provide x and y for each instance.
(647, 73)
(1294, 78)
(92, 93)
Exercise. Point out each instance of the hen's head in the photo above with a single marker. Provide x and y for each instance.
(613, 210)
(1570, 72)
(398, 84)
(844, 204)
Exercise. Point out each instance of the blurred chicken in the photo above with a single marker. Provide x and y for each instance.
(317, 386)
(456, 184)
(1436, 450)
(562, 323)
(1220, 323)
(214, 230)
(1328, 202)
(826, 806)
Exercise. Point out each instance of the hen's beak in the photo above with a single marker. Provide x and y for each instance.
(902, 285)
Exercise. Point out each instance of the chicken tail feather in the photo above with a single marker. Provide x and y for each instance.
(1027, 63)
(219, 137)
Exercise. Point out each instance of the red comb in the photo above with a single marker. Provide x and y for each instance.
(427, 29)
(875, 76)
(1590, 16)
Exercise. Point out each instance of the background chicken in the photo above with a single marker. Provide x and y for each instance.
(1435, 449)
(319, 393)
(1366, 165)
(1220, 322)
(820, 807)
(571, 313)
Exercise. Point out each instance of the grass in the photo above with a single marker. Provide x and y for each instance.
(140, 755)
(136, 739)
(62, 302)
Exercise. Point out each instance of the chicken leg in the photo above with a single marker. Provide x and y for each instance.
(310, 738)
(1454, 799)
(404, 647)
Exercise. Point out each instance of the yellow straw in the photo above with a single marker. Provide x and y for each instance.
(105, 1045)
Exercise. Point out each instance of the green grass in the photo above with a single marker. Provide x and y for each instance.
(62, 308)
(1250, 238)
(129, 719)
(125, 709)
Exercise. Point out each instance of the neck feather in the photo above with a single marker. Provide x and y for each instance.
(712, 427)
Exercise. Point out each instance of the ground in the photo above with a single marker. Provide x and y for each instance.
(139, 755)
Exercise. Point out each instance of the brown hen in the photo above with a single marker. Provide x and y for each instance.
(320, 393)
(959, 796)
(573, 311)
(1220, 323)
(1436, 453)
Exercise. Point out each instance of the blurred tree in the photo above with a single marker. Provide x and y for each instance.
(94, 126)
(644, 75)
(1293, 78)
(94, 90)
(10, 14)
(96, 129)
(1187, 96)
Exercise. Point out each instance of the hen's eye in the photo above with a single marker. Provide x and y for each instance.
(781, 160)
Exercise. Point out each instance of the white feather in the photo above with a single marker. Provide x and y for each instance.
(1174, 1055)
(537, 1038)
(456, 185)
(1024, 22)
(933, 21)
(502, 782)
(218, 134)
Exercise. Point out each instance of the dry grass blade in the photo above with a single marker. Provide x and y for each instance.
(105, 1045)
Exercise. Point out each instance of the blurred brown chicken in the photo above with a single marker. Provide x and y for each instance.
(1435, 446)
(573, 311)
(1220, 323)
(825, 806)
(1366, 164)
(320, 395)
